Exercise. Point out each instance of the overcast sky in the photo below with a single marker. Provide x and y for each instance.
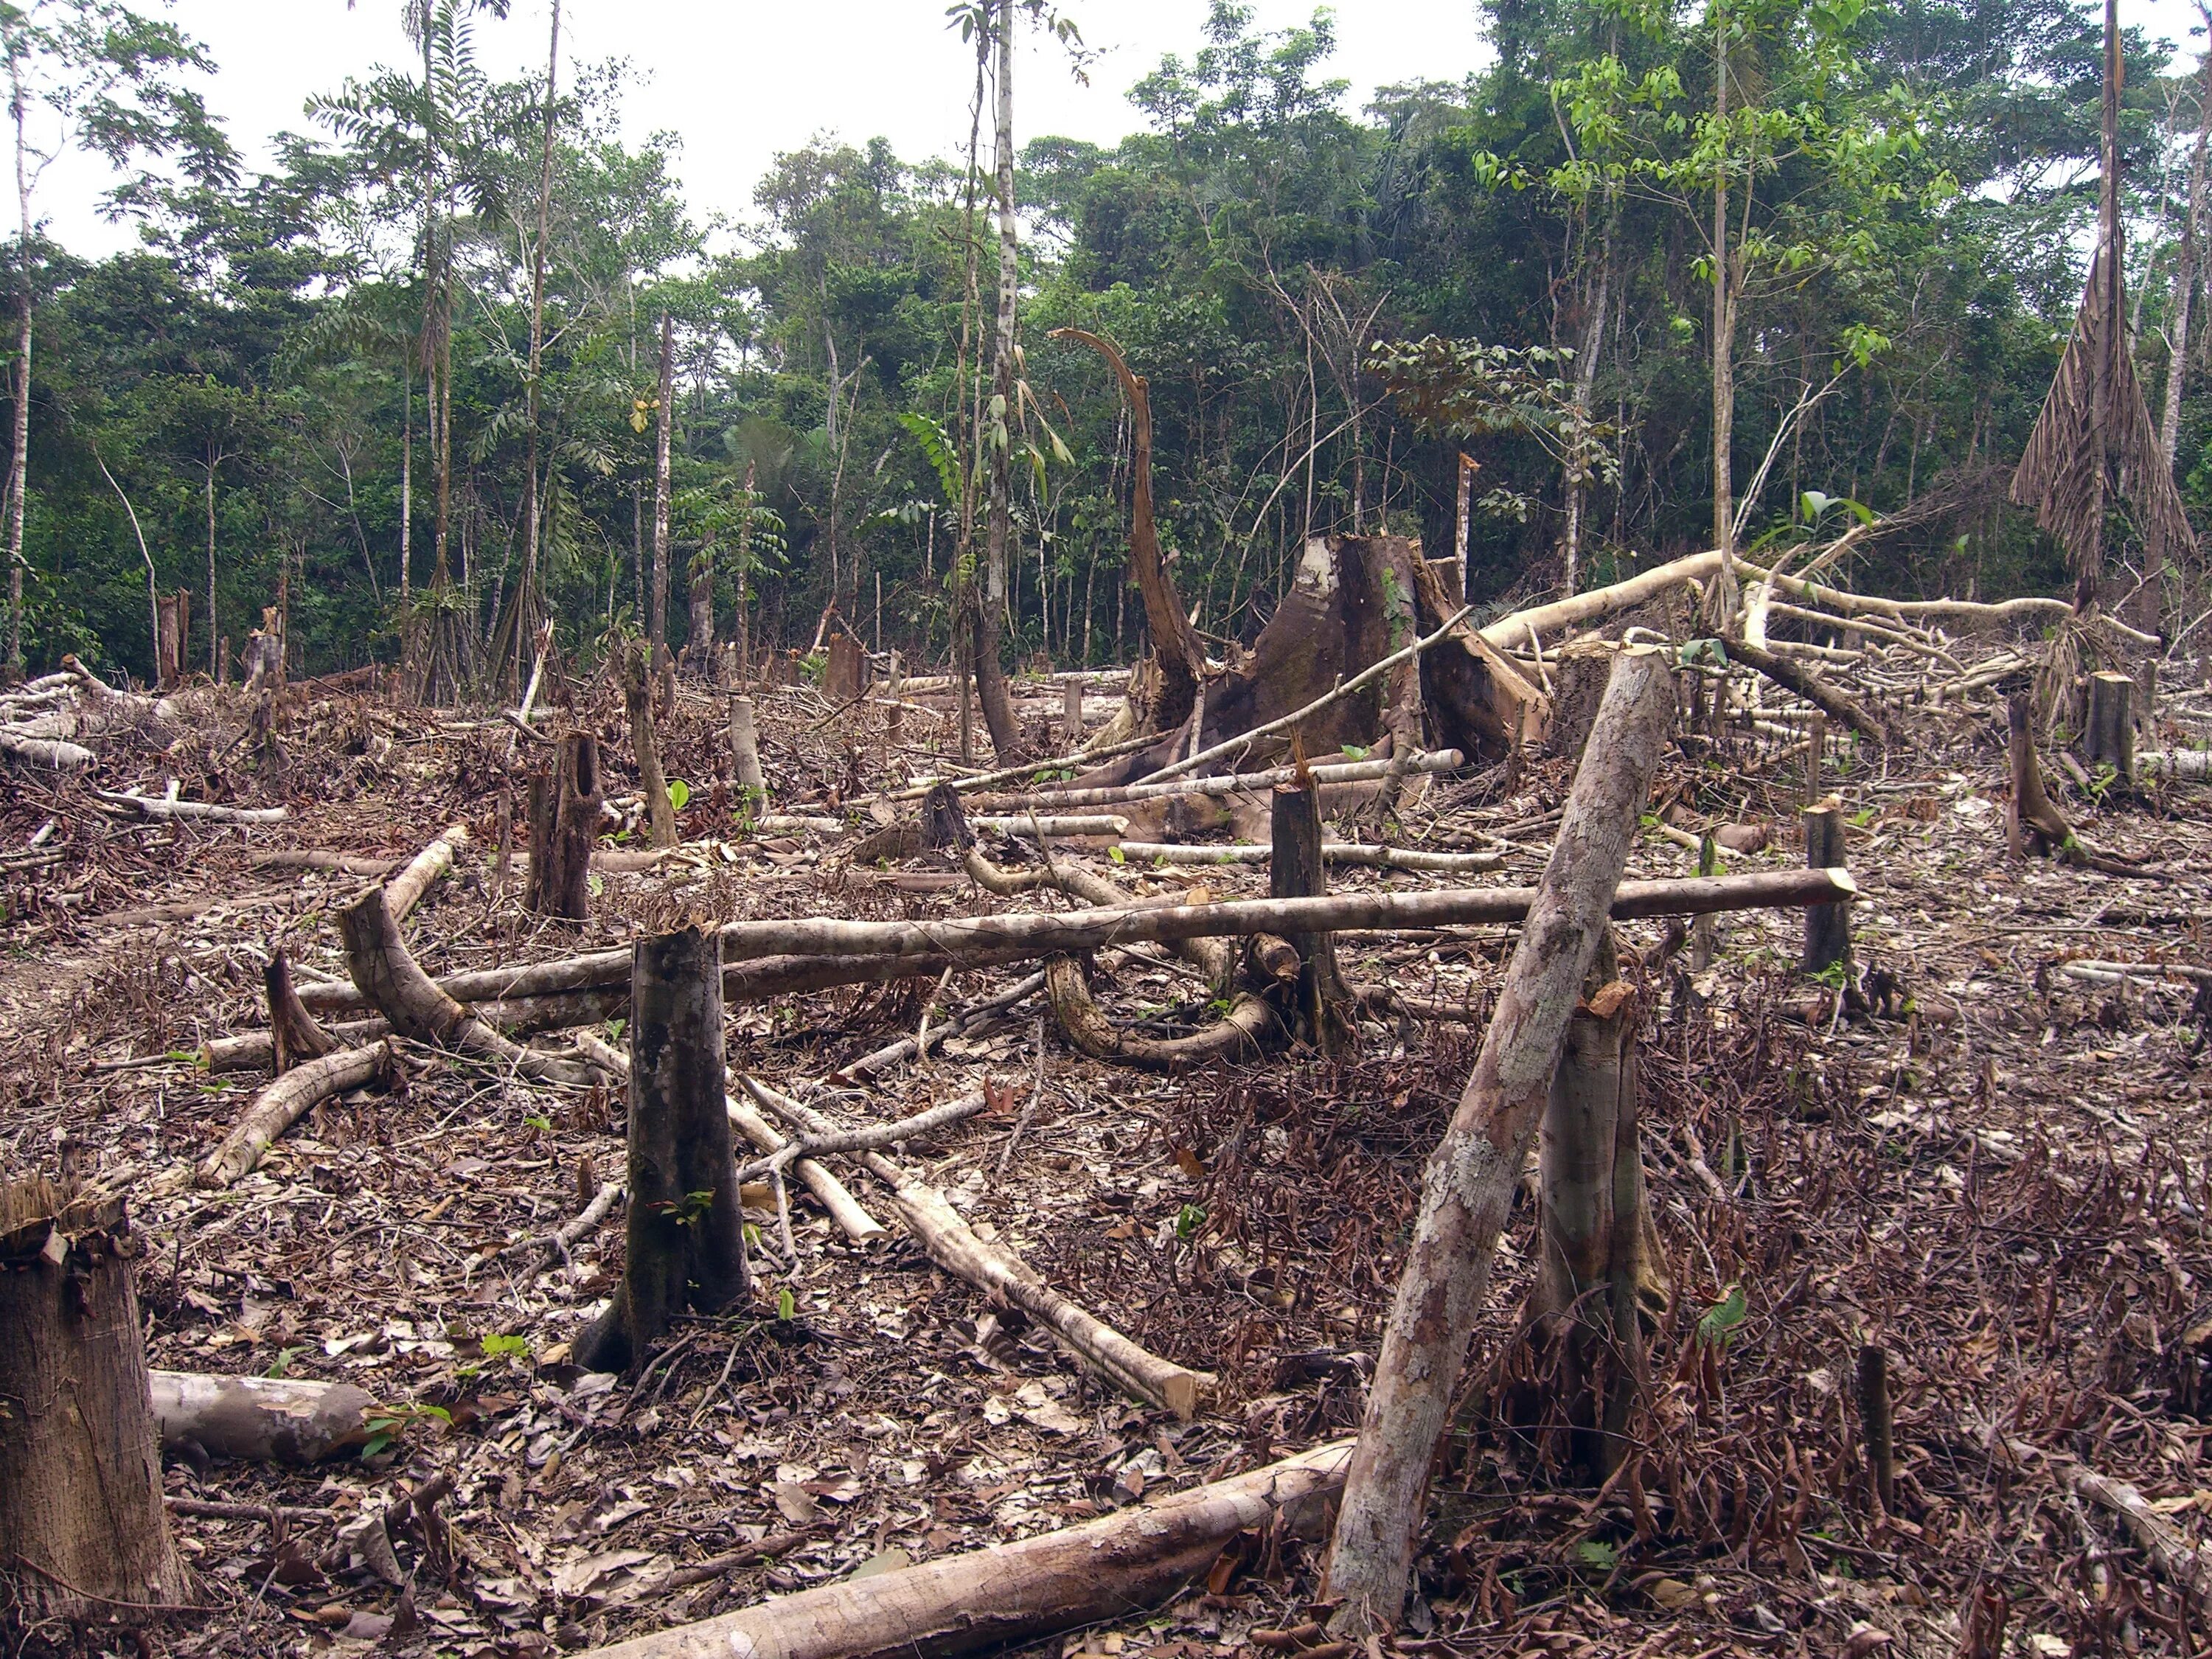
(740, 79)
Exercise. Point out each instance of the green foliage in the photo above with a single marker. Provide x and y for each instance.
(1717, 1322)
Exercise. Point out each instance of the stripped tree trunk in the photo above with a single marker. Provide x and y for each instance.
(686, 1233)
(1470, 1179)
(82, 1533)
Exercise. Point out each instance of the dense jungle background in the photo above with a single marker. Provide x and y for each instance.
(317, 382)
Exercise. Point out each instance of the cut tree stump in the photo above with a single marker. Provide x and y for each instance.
(1123, 1563)
(564, 820)
(1598, 1271)
(1827, 926)
(83, 1535)
(686, 1231)
(846, 678)
(2111, 737)
(638, 692)
(745, 755)
(1468, 1185)
(1295, 870)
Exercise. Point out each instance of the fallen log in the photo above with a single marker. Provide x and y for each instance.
(259, 1419)
(1471, 1177)
(389, 977)
(149, 806)
(1823, 696)
(2191, 765)
(871, 1139)
(1133, 1559)
(404, 891)
(998, 1272)
(56, 753)
(285, 1101)
(1230, 783)
(1351, 853)
(817, 953)
(1036, 825)
(856, 1223)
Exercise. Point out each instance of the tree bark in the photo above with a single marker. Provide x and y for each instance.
(686, 1233)
(295, 1037)
(998, 1598)
(1470, 1179)
(82, 1533)
(745, 755)
(657, 617)
(1295, 870)
(2111, 737)
(1001, 420)
(406, 889)
(637, 695)
(259, 1419)
(1827, 926)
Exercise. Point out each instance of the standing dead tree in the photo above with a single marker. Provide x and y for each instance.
(637, 696)
(1471, 1177)
(686, 1237)
(2094, 438)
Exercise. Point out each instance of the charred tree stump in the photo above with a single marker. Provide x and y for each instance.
(638, 689)
(2110, 738)
(1295, 870)
(1827, 926)
(294, 1035)
(564, 821)
(1468, 1185)
(686, 1233)
(82, 1533)
(1598, 1270)
(745, 755)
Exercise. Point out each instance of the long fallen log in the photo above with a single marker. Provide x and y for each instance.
(1352, 853)
(1230, 783)
(284, 1102)
(259, 1419)
(1120, 1564)
(404, 891)
(816, 953)
(953, 1246)
(832, 1193)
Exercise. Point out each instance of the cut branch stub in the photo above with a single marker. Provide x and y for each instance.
(83, 1536)
(686, 1233)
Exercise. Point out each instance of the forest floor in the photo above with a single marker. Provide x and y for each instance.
(2002, 1176)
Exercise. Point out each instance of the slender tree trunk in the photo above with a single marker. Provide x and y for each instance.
(2184, 279)
(407, 483)
(527, 601)
(988, 617)
(1579, 439)
(19, 464)
(213, 632)
(657, 620)
(1723, 346)
(1471, 1177)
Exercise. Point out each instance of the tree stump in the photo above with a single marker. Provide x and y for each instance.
(1598, 1268)
(847, 676)
(945, 820)
(564, 821)
(686, 1233)
(1827, 926)
(1295, 869)
(1070, 714)
(82, 1533)
(172, 627)
(745, 755)
(2111, 737)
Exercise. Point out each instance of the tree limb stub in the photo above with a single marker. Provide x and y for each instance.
(1471, 1177)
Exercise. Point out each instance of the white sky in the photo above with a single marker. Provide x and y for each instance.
(742, 79)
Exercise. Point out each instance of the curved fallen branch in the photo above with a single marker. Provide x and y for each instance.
(285, 1101)
(404, 891)
(1211, 956)
(1239, 1034)
(953, 1246)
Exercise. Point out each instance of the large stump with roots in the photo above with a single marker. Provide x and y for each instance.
(686, 1233)
(82, 1533)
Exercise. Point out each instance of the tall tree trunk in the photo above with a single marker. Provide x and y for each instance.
(657, 619)
(1724, 593)
(2184, 279)
(19, 465)
(1471, 1177)
(213, 632)
(527, 601)
(1579, 440)
(406, 481)
(987, 616)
